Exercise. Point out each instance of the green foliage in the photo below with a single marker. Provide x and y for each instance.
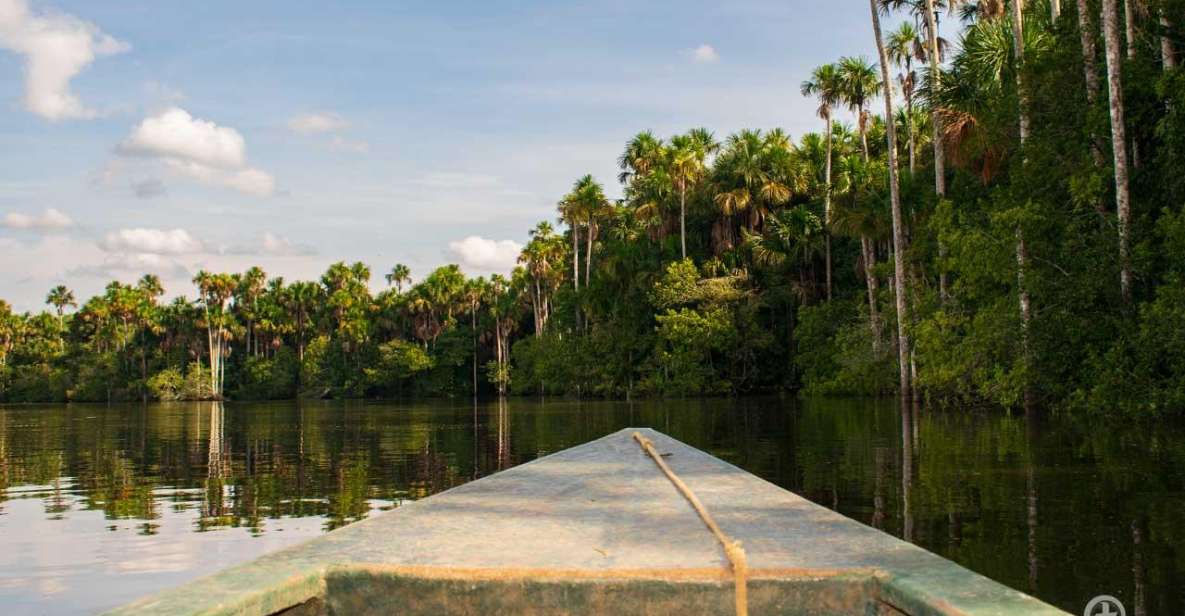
(732, 266)
(168, 385)
(398, 361)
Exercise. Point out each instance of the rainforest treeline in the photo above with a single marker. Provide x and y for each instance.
(1001, 222)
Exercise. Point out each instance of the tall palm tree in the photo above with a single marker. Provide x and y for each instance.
(1118, 143)
(932, 56)
(398, 276)
(1022, 251)
(1090, 70)
(60, 297)
(859, 83)
(899, 271)
(825, 84)
(643, 153)
(903, 45)
(688, 156)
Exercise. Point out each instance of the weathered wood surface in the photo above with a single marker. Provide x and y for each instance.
(597, 529)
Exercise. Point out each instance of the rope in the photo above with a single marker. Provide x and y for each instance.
(732, 549)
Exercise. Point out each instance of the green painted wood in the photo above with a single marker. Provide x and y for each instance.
(598, 529)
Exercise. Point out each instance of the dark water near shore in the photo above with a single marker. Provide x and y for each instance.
(99, 505)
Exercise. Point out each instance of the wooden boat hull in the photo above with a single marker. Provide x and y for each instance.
(597, 529)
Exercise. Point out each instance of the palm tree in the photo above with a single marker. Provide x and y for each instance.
(215, 291)
(858, 83)
(899, 271)
(398, 276)
(1118, 144)
(932, 56)
(643, 154)
(903, 45)
(585, 203)
(688, 154)
(858, 183)
(60, 297)
(825, 84)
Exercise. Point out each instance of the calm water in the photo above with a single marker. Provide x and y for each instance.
(99, 505)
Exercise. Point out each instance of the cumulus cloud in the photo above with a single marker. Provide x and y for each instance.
(705, 53)
(199, 149)
(56, 47)
(49, 220)
(174, 133)
(319, 122)
(157, 242)
(485, 255)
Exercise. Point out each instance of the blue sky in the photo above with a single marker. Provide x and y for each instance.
(294, 134)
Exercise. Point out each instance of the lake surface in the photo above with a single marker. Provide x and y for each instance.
(100, 505)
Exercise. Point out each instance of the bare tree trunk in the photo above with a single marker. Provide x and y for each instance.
(899, 273)
(1055, 10)
(936, 120)
(1118, 143)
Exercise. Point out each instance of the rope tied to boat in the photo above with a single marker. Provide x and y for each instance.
(732, 548)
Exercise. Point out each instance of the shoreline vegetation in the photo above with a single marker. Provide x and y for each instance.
(1014, 235)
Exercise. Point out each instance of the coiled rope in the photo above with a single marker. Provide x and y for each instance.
(732, 549)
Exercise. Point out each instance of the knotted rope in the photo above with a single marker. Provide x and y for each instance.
(732, 549)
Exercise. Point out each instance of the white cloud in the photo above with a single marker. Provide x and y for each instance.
(251, 181)
(320, 122)
(151, 242)
(50, 219)
(705, 53)
(174, 133)
(198, 148)
(56, 47)
(485, 255)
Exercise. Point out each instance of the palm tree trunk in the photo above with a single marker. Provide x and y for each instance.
(899, 273)
(1018, 45)
(1118, 143)
(1129, 25)
(683, 216)
(870, 281)
(936, 120)
(1090, 69)
(913, 157)
(473, 323)
(1130, 8)
(588, 254)
(862, 124)
(1167, 55)
(827, 202)
(576, 269)
(1022, 250)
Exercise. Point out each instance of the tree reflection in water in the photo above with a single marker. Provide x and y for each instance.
(1002, 495)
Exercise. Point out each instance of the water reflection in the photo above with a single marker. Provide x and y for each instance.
(102, 504)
